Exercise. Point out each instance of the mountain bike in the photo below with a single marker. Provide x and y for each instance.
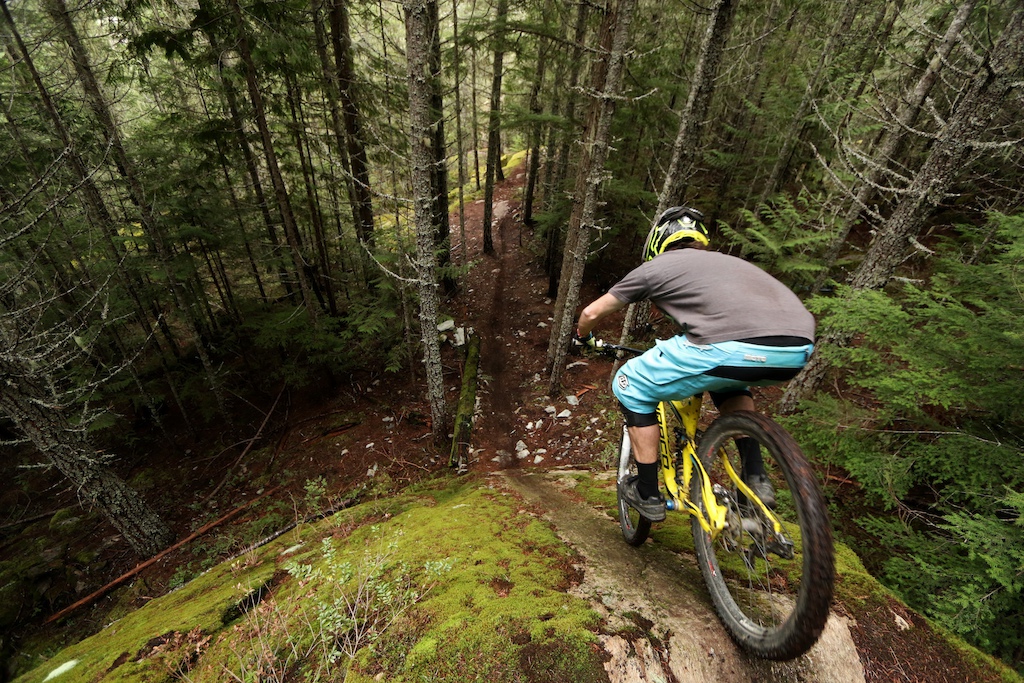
(770, 571)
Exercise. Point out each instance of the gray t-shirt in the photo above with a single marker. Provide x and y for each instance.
(716, 297)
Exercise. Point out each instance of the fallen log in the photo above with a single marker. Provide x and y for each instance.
(151, 561)
(459, 457)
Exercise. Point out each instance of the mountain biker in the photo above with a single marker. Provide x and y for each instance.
(740, 327)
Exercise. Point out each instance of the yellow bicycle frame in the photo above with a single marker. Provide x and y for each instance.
(714, 521)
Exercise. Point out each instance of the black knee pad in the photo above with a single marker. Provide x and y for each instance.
(634, 419)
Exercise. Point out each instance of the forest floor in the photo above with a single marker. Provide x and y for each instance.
(371, 434)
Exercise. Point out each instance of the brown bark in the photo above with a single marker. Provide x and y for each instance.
(536, 131)
(494, 122)
(98, 104)
(687, 146)
(905, 117)
(833, 46)
(561, 165)
(322, 269)
(344, 73)
(607, 82)
(459, 149)
(95, 206)
(280, 190)
(439, 147)
(41, 418)
(153, 560)
(459, 456)
(950, 154)
(418, 27)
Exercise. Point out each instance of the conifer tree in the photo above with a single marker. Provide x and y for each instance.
(955, 142)
(606, 85)
(422, 119)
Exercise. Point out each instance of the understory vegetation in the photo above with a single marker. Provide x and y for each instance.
(207, 204)
(447, 581)
(928, 426)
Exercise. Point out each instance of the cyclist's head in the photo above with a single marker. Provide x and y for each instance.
(677, 227)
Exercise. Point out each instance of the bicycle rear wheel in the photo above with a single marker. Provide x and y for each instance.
(772, 591)
(635, 527)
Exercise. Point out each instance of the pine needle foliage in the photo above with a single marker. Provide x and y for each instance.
(785, 238)
(933, 429)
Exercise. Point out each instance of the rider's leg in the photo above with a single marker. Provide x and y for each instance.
(645, 451)
(750, 452)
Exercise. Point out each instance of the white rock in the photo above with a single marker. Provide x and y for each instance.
(564, 413)
(538, 423)
(522, 454)
(542, 324)
(446, 325)
(372, 470)
(539, 459)
(550, 410)
(541, 450)
(572, 400)
(520, 445)
(460, 336)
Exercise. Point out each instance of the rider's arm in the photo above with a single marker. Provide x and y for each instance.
(596, 310)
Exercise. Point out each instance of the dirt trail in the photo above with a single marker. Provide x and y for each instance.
(686, 641)
(666, 589)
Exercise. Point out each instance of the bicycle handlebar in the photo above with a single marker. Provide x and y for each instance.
(615, 350)
(619, 347)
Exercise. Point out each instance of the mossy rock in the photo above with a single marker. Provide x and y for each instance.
(453, 580)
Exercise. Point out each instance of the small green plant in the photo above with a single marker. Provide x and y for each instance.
(182, 575)
(316, 492)
(358, 600)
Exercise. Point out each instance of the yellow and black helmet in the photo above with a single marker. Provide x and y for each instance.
(676, 226)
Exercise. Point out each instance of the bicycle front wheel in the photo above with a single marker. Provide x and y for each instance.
(770, 587)
(635, 527)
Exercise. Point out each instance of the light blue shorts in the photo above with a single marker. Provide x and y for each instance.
(677, 368)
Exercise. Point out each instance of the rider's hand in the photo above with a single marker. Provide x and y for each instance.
(590, 341)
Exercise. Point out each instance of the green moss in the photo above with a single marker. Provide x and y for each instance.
(481, 588)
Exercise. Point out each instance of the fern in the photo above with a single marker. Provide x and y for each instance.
(939, 368)
(787, 238)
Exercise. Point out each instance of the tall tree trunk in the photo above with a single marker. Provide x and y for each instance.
(886, 155)
(833, 46)
(126, 166)
(280, 190)
(536, 130)
(322, 273)
(494, 122)
(439, 148)
(24, 400)
(344, 72)
(949, 155)
(95, 207)
(459, 142)
(568, 134)
(739, 126)
(692, 119)
(607, 82)
(418, 28)
(256, 184)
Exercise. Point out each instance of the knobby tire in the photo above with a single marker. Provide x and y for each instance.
(773, 608)
(635, 527)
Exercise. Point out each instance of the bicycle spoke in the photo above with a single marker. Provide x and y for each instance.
(757, 568)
